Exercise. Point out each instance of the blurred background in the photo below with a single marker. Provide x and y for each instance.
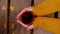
(15, 7)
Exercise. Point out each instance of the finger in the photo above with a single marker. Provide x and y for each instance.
(30, 27)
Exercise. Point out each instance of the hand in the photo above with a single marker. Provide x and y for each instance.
(30, 27)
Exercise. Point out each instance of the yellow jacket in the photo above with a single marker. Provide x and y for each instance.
(44, 8)
(50, 24)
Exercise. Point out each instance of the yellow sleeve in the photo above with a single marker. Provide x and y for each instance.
(50, 24)
(46, 7)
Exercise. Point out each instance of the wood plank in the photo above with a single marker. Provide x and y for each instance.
(19, 5)
(3, 17)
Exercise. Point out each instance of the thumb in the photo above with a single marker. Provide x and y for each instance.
(30, 27)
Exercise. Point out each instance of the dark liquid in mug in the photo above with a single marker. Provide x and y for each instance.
(27, 17)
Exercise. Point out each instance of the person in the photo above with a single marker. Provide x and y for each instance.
(45, 8)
